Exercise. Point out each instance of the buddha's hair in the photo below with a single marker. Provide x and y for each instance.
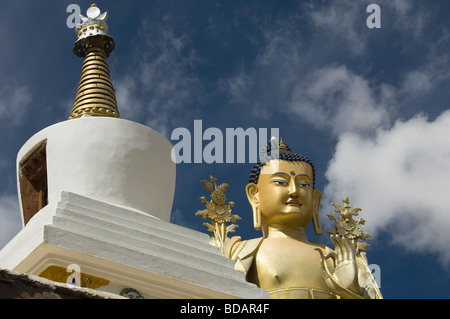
(284, 154)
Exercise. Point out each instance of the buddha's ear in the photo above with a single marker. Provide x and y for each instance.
(317, 199)
(253, 197)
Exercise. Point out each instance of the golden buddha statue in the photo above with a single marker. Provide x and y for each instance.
(283, 261)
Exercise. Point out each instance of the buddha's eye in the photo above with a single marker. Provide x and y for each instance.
(280, 182)
(303, 184)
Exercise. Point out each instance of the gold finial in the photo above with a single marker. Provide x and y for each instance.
(346, 226)
(283, 146)
(218, 213)
(95, 94)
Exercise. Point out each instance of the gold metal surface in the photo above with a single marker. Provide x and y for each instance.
(218, 213)
(282, 146)
(346, 226)
(95, 94)
(283, 261)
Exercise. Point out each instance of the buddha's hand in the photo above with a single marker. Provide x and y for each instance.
(343, 277)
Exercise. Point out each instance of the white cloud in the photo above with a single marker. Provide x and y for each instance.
(3, 162)
(292, 69)
(283, 45)
(14, 101)
(181, 218)
(344, 21)
(410, 17)
(400, 178)
(159, 84)
(402, 6)
(11, 222)
(129, 106)
(340, 20)
(238, 86)
(416, 82)
(333, 98)
(433, 72)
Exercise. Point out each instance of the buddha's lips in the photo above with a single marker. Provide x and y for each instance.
(293, 201)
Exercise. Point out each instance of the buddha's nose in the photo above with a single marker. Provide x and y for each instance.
(292, 189)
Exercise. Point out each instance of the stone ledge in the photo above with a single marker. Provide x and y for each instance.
(159, 259)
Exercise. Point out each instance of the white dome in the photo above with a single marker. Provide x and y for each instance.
(108, 159)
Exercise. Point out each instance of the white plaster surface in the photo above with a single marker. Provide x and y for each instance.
(129, 248)
(113, 160)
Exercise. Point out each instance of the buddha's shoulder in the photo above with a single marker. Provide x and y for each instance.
(242, 252)
(242, 248)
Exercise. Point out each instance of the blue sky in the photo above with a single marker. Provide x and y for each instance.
(368, 106)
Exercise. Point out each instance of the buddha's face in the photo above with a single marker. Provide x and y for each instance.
(285, 193)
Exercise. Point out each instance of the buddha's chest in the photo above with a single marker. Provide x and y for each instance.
(287, 264)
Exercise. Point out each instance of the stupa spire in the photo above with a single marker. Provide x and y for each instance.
(95, 94)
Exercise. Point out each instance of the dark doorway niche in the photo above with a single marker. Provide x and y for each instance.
(33, 181)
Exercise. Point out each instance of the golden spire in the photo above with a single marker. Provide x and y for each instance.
(95, 94)
(283, 146)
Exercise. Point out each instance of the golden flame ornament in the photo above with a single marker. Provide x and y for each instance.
(347, 227)
(218, 213)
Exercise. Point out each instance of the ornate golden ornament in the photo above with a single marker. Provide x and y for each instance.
(218, 213)
(282, 146)
(95, 94)
(347, 227)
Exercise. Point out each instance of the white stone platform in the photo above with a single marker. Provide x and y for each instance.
(129, 248)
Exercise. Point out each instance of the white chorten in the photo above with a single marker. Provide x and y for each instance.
(96, 195)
